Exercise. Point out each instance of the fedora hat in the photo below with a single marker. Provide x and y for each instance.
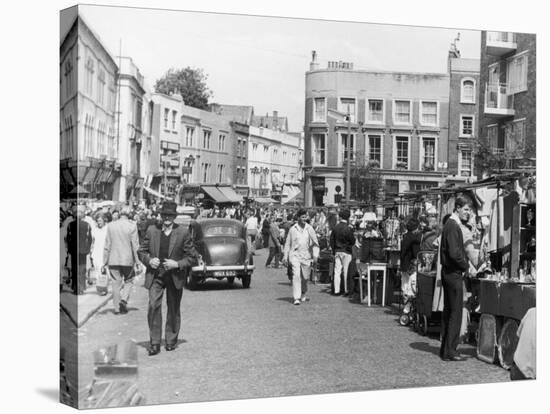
(169, 208)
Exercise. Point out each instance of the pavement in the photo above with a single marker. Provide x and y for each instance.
(240, 343)
(79, 309)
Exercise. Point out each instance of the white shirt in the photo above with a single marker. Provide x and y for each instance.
(252, 223)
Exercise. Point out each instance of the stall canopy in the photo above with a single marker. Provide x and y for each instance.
(215, 194)
(291, 193)
(230, 194)
(265, 200)
(153, 192)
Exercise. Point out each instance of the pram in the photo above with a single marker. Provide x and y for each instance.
(409, 291)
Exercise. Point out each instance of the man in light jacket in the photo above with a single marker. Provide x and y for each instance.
(301, 252)
(120, 256)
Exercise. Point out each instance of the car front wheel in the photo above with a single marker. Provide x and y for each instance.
(246, 280)
(230, 279)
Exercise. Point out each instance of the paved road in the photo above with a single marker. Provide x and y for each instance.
(244, 343)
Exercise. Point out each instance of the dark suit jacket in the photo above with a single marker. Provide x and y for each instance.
(410, 246)
(453, 255)
(181, 249)
(342, 238)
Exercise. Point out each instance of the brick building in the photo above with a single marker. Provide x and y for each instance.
(399, 123)
(89, 157)
(507, 96)
(463, 115)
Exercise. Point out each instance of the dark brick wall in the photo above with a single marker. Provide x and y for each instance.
(524, 102)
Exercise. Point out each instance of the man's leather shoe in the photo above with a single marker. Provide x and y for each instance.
(170, 347)
(456, 358)
(153, 350)
(122, 307)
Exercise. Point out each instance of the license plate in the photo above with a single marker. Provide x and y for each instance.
(225, 273)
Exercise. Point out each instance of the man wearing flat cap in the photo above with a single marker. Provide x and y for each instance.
(168, 252)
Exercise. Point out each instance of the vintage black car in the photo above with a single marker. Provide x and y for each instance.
(223, 251)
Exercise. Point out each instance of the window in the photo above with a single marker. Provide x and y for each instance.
(255, 148)
(189, 131)
(347, 105)
(428, 113)
(344, 141)
(174, 114)
(494, 74)
(206, 139)
(465, 163)
(318, 148)
(221, 143)
(401, 151)
(266, 149)
(319, 110)
(221, 170)
(375, 112)
(89, 76)
(100, 86)
(166, 112)
(428, 154)
(514, 136)
(205, 172)
(375, 148)
(517, 74)
(402, 112)
(468, 91)
(492, 135)
(467, 126)
(69, 77)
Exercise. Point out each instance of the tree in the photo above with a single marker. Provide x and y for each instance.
(189, 82)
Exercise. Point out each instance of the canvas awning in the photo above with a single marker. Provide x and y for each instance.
(214, 193)
(153, 192)
(290, 193)
(230, 194)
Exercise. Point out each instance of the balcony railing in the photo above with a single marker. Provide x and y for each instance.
(500, 43)
(498, 101)
(505, 37)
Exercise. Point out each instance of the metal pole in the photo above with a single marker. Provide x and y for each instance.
(165, 182)
(348, 166)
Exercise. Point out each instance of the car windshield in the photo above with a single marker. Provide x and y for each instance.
(221, 230)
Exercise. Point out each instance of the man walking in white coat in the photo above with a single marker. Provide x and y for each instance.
(301, 252)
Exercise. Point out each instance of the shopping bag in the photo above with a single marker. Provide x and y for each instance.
(102, 282)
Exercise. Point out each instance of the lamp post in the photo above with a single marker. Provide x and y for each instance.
(348, 165)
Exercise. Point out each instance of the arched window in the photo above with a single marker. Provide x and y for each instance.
(468, 91)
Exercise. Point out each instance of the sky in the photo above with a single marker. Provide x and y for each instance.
(261, 61)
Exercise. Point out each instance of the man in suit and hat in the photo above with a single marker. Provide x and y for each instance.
(168, 252)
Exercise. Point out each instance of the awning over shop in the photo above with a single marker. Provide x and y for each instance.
(290, 193)
(231, 195)
(214, 193)
(264, 200)
(153, 192)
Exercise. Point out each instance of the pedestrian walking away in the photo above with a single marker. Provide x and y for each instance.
(454, 264)
(120, 257)
(301, 251)
(342, 240)
(169, 253)
(79, 245)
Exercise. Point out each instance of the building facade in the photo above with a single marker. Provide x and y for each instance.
(130, 128)
(463, 116)
(89, 149)
(165, 163)
(273, 162)
(398, 126)
(507, 96)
